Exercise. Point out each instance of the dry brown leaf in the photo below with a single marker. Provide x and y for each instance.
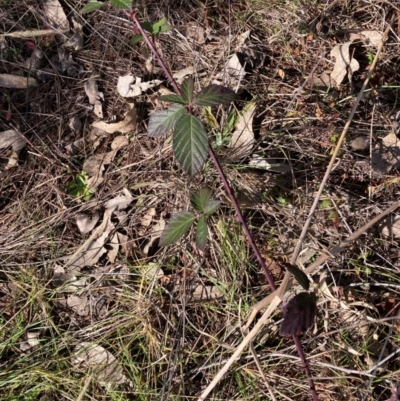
(391, 227)
(75, 124)
(157, 230)
(242, 141)
(113, 252)
(101, 362)
(148, 217)
(13, 139)
(235, 70)
(125, 126)
(94, 165)
(386, 154)
(55, 14)
(123, 241)
(120, 202)
(75, 41)
(86, 223)
(31, 341)
(206, 292)
(16, 81)
(95, 96)
(180, 75)
(33, 62)
(344, 63)
(372, 38)
(119, 142)
(195, 33)
(91, 250)
(129, 86)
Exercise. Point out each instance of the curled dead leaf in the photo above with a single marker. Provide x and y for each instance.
(95, 96)
(345, 64)
(128, 124)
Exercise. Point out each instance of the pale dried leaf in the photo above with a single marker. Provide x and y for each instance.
(129, 86)
(113, 252)
(180, 75)
(148, 217)
(390, 227)
(125, 126)
(123, 241)
(75, 124)
(152, 271)
(119, 142)
(344, 63)
(31, 341)
(55, 14)
(120, 202)
(13, 139)
(360, 143)
(94, 165)
(322, 81)
(75, 41)
(157, 230)
(91, 250)
(372, 38)
(206, 292)
(79, 304)
(242, 141)
(96, 135)
(242, 38)
(101, 362)
(33, 62)
(60, 277)
(95, 96)
(195, 33)
(235, 70)
(386, 154)
(16, 81)
(86, 223)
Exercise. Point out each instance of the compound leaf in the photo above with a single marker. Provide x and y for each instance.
(200, 199)
(201, 233)
(91, 6)
(298, 314)
(121, 3)
(211, 207)
(299, 275)
(176, 228)
(213, 95)
(162, 121)
(172, 98)
(187, 89)
(190, 143)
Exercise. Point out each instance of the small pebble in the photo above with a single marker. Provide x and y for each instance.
(360, 143)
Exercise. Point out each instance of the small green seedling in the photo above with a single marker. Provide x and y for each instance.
(79, 187)
(181, 222)
(222, 137)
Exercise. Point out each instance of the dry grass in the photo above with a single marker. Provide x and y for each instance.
(169, 343)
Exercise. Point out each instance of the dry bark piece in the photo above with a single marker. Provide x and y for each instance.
(128, 124)
(16, 81)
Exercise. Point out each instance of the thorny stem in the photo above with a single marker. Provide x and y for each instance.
(234, 201)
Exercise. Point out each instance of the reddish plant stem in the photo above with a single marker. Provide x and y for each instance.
(233, 199)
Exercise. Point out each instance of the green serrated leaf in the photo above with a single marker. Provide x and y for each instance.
(122, 3)
(161, 26)
(201, 233)
(172, 98)
(200, 198)
(176, 228)
(299, 275)
(213, 95)
(147, 26)
(187, 89)
(91, 6)
(136, 38)
(190, 143)
(211, 207)
(162, 121)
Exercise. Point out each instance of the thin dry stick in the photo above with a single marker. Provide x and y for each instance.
(275, 299)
